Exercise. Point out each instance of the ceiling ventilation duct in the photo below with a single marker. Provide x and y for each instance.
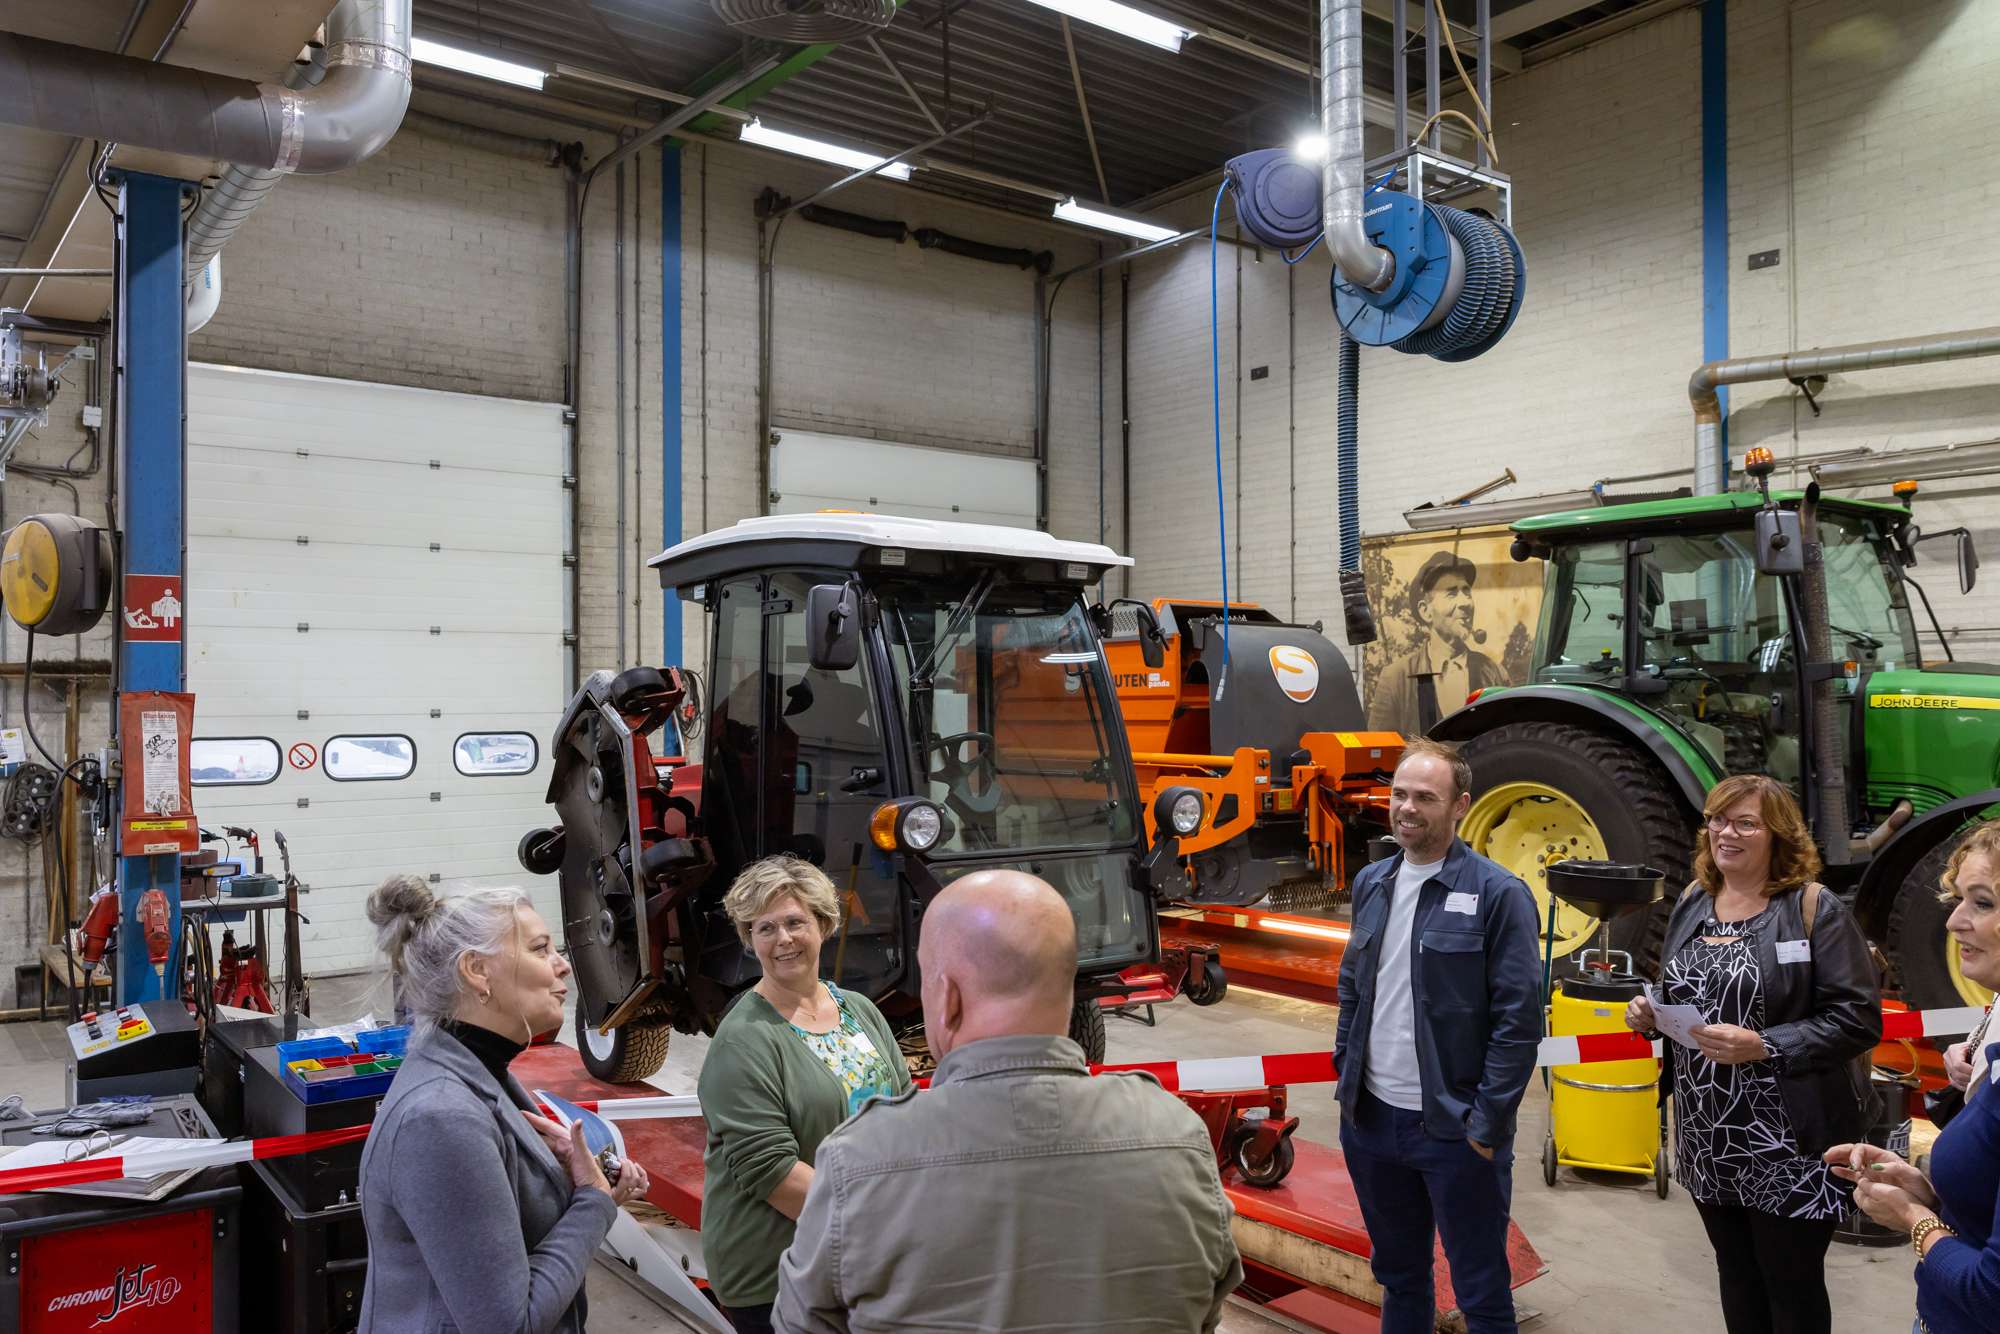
(806, 21)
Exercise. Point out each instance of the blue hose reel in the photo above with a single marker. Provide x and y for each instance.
(1459, 277)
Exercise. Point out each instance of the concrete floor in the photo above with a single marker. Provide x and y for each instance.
(1620, 1260)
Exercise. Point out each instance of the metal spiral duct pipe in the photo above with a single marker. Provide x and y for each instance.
(1708, 377)
(92, 94)
(1348, 449)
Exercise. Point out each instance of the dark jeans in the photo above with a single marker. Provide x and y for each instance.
(750, 1319)
(1773, 1270)
(1409, 1186)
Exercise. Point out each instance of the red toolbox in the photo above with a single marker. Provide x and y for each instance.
(86, 1264)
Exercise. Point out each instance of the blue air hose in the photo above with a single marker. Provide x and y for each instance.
(1215, 395)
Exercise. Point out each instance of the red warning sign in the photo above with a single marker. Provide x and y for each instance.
(152, 608)
(303, 755)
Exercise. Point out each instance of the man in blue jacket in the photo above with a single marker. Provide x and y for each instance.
(1440, 1014)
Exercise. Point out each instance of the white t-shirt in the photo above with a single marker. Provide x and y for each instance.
(1392, 1039)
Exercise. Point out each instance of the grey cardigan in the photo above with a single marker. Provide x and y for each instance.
(473, 1226)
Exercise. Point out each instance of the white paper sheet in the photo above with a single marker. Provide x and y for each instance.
(1674, 1021)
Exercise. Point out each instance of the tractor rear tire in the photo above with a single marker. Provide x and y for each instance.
(629, 1053)
(1086, 1028)
(1639, 815)
(1926, 959)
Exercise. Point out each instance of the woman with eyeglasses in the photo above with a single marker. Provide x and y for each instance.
(793, 1058)
(1782, 978)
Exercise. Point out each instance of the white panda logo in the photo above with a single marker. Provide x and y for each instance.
(1297, 672)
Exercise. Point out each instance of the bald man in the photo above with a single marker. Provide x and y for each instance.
(1019, 1192)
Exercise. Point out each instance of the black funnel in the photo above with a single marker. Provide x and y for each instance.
(1606, 889)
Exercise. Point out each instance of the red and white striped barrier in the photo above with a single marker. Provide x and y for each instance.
(1205, 1076)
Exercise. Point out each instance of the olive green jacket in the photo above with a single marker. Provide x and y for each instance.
(768, 1102)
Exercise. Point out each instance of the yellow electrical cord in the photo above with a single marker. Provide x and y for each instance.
(1470, 124)
(1472, 91)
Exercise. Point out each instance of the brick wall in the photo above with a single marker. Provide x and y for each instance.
(872, 337)
(1851, 122)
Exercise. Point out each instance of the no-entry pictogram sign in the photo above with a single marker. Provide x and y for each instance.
(304, 755)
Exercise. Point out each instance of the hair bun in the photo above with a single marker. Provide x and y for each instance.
(399, 906)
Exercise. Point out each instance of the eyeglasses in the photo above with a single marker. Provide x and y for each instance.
(1744, 828)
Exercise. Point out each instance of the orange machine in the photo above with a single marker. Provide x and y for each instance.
(1269, 731)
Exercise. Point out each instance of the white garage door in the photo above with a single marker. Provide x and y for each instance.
(375, 618)
(813, 471)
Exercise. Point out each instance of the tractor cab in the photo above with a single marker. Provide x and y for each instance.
(1687, 639)
(1670, 608)
(899, 702)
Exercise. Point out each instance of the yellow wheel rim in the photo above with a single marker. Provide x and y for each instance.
(1527, 827)
(1974, 993)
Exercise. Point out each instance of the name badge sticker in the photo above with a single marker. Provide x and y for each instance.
(1461, 902)
(1795, 951)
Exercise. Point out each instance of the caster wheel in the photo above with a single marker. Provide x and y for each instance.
(1549, 1161)
(1267, 1172)
(1207, 985)
(541, 850)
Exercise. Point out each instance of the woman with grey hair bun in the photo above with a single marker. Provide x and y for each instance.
(481, 1216)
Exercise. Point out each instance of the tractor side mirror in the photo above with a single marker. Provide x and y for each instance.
(833, 627)
(1968, 562)
(1780, 549)
(1152, 643)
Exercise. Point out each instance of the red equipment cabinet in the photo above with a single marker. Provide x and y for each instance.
(70, 1263)
(88, 1264)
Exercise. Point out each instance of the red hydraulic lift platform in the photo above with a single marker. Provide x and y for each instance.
(1305, 1251)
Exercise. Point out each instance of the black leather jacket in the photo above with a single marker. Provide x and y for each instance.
(1822, 1013)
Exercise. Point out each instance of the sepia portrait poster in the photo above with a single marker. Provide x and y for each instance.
(1454, 612)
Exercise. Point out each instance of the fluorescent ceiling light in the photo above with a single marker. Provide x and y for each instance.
(471, 62)
(1071, 211)
(1311, 147)
(1122, 18)
(756, 132)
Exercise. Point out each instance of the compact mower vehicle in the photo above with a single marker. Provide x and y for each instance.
(899, 702)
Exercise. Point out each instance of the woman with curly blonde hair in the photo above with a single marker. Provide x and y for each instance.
(1782, 977)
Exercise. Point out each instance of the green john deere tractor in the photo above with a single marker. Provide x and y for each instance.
(1684, 640)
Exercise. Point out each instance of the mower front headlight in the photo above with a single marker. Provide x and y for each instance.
(908, 824)
(1178, 811)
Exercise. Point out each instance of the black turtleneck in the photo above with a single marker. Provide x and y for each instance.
(494, 1050)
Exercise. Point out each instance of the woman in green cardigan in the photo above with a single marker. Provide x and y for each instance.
(791, 1060)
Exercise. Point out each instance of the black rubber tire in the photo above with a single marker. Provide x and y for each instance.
(1208, 984)
(1549, 1160)
(541, 850)
(1624, 791)
(631, 1052)
(1086, 1028)
(1918, 945)
(1661, 1186)
(1268, 1173)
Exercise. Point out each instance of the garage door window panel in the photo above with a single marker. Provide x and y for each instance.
(233, 761)
(369, 759)
(495, 754)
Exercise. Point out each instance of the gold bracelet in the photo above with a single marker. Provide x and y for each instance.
(1923, 1229)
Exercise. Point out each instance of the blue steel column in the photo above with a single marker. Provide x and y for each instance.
(1715, 205)
(152, 454)
(670, 407)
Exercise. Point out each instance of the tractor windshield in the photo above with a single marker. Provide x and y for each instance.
(1011, 718)
(1714, 638)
